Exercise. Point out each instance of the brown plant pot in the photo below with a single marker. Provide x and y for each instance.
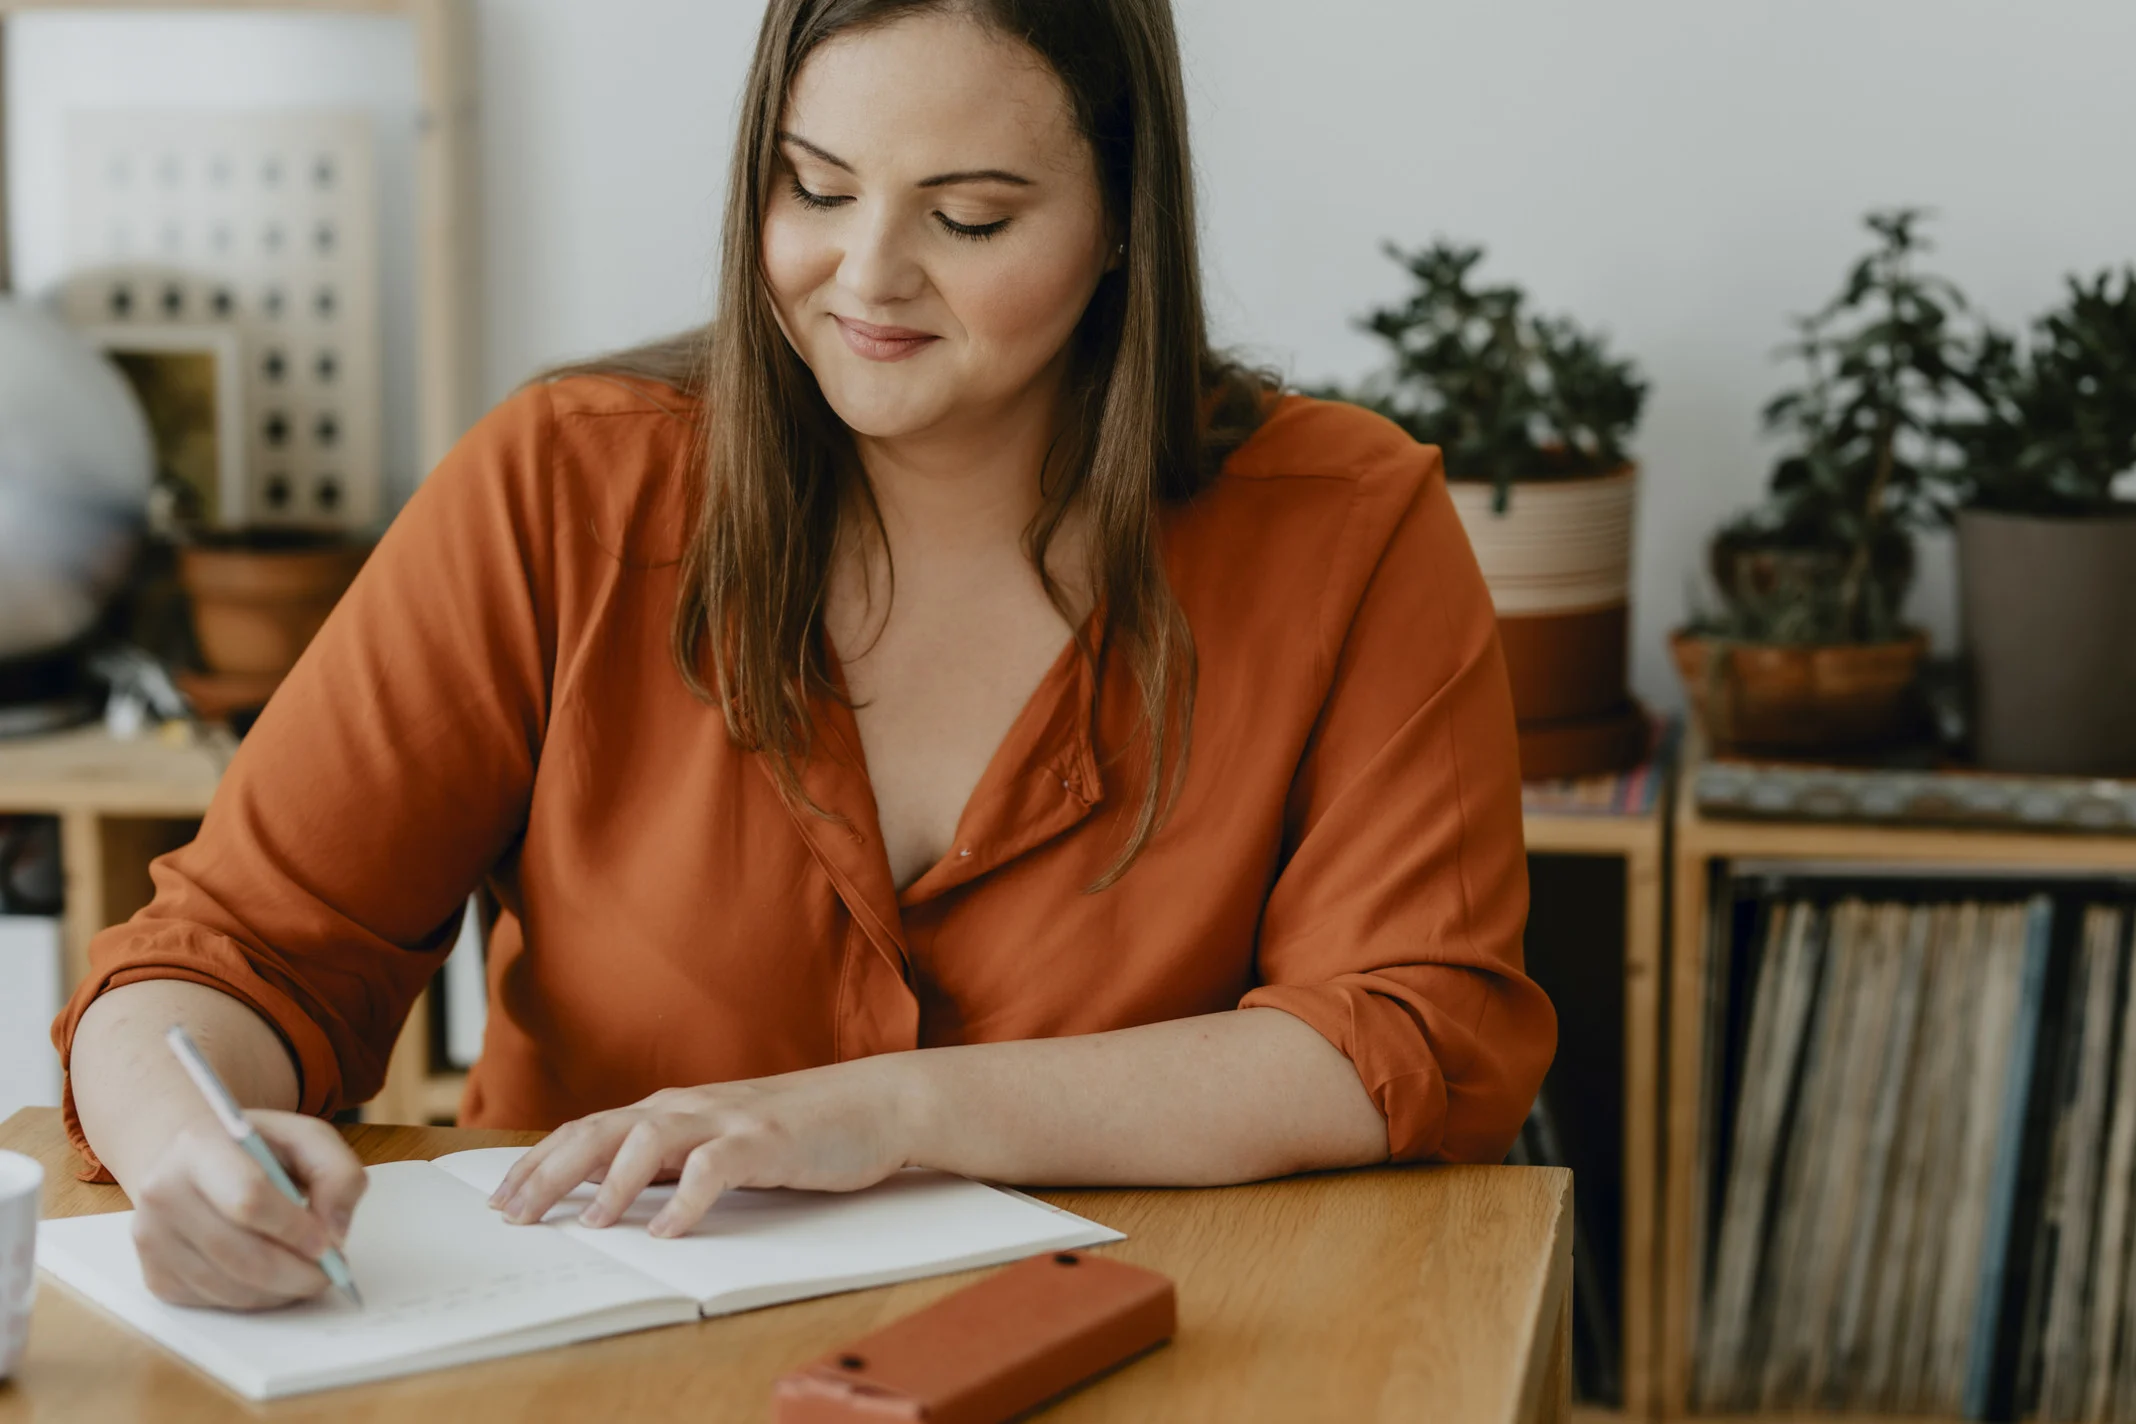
(1584, 746)
(2049, 611)
(215, 695)
(1835, 697)
(1566, 666)
(258, 600)
(1558, 562)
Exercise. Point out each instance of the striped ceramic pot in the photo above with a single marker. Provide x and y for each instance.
(1559, 565)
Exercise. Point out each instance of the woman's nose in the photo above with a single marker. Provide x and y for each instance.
(880, 267)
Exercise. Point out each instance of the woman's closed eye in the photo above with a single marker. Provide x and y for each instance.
(819, 201)
(978, 232)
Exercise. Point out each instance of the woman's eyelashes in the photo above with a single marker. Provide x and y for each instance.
(977, 232)
(818, 201)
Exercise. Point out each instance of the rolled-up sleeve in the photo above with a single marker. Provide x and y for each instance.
(388, 774)
(1394, 924)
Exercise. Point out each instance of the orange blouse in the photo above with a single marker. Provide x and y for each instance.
(494, 697)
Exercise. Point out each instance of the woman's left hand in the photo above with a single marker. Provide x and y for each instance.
(836, 1129)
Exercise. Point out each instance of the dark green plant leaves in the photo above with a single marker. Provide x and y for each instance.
(2055, 419)
(1504, 394)
(1866, 450)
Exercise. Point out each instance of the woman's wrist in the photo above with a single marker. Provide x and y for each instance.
(912, 1104)
(130, 1096)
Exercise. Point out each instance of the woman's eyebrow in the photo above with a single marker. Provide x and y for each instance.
(940, 180)
(975, 175)
(823, 153)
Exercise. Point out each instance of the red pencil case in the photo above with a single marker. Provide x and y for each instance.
(992, 1350)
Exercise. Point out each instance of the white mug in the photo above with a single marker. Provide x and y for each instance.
(21, 1180)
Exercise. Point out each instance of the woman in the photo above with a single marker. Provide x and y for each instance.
(945, 717)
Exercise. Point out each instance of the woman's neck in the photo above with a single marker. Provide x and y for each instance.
(956, 503)
(962, 488)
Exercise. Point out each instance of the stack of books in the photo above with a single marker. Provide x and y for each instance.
(1623, 793)
(1924, 1139)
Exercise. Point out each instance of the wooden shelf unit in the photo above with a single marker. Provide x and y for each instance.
(1702, 844)
(122, 804)
(1641, 843)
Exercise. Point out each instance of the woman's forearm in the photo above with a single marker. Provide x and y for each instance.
(130, 1093)
(1228, 1097)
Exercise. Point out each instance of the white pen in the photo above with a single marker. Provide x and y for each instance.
(255, 1146)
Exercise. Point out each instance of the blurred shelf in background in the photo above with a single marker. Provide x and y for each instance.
(120, 804)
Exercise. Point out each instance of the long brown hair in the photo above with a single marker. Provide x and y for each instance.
(1150, 410)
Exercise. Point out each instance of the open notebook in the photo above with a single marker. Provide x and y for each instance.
(446, 1281)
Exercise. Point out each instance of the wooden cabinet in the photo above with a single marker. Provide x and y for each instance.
(1705, 846)
(122, 804)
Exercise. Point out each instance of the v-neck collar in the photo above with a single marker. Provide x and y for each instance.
(1042, 779)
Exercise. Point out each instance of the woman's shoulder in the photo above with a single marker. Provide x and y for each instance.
(1324, 501)
(610, 455)
(1315, 473)
(1305, 438)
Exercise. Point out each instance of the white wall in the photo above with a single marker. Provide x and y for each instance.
(1683, 173)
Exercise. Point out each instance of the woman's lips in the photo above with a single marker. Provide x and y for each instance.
(881, 343)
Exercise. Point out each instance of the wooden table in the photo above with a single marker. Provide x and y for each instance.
(1392, 1293)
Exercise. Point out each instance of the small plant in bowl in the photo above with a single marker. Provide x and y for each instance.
(1807, 649)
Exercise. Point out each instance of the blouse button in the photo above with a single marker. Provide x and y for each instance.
(964, 852)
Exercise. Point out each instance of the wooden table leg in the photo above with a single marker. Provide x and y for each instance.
(1555, 1406)
(1546, 1397)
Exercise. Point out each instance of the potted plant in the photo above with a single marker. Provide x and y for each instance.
(257, 593)
(2046, 551)
(1515, 398)
(1808, 650)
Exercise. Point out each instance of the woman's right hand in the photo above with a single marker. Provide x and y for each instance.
(212, 1230)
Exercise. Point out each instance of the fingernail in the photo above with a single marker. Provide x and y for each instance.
(593, 1216)
(339, 1220)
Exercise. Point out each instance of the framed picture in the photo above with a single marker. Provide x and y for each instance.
(190, 381)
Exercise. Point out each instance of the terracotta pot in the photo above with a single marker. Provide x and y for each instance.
(1834, 697)
(2049, 611)
(1566, 666)
(1558, 562)
(256, 608)
(1584, 746)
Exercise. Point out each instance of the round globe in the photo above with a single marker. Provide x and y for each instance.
(76, 464)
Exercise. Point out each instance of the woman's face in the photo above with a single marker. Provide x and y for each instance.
(936, 229)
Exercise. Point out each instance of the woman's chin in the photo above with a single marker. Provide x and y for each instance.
(886, 416)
